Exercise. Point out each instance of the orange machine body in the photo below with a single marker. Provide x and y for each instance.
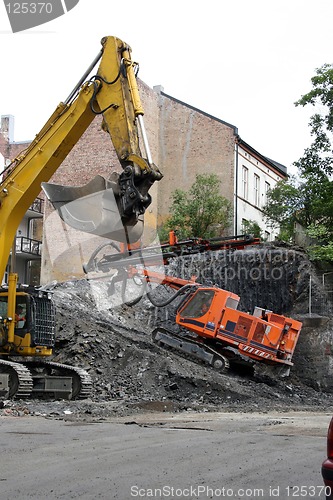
(212, 313)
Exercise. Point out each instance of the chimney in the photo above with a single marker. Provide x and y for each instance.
(7, 127)
(158, 89)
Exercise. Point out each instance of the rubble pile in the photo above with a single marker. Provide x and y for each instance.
(130, 373)
(272, 275)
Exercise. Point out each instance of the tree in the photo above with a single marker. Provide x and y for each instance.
(316, 165)
(193, 213)
(309, 200)
(318, 159)
(252, 227)
(282, 207)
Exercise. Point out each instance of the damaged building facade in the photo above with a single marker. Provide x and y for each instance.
(184, 142)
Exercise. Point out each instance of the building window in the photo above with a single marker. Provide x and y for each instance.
(256, 190)
(244, 227)
(267, 189)
(245, 179)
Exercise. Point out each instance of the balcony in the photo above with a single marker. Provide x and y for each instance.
(26, 247)
(36, 209)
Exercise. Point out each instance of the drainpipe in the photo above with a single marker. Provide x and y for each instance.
(236, 190)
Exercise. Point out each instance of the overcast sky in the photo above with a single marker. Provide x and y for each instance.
(245, 62)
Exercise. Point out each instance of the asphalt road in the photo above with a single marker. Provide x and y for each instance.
(186, 455)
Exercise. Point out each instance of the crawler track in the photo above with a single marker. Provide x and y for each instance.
(190, 347)
(46, 379)
(20, 380)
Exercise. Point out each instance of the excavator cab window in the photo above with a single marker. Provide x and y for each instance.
(20, 313)
(199, 304)
(232, 303)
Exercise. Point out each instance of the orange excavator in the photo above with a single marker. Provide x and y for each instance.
(212, 328)
(214, 331)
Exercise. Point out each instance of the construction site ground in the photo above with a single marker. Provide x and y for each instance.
(165, 455)
(131, 375)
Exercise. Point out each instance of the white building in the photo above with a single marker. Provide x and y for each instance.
(255, 175)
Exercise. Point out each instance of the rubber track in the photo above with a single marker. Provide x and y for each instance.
(25, 381)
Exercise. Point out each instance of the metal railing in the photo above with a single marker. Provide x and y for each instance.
(28, 245)
(37, 206)
(321, 298)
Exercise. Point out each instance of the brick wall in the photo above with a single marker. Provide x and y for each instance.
(10, 150)
(3, 146)
(15, 148)
(183, 142)
(192, 142)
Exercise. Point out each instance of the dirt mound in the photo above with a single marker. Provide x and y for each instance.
(130, 373)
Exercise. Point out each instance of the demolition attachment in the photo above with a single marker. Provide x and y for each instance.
(113, 207)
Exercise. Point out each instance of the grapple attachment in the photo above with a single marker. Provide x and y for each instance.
(100, 208)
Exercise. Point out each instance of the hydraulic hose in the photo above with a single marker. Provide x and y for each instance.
(155, 303)
(131, 303)
(91, 264)
(179, 292)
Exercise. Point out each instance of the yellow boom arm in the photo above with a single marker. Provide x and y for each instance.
(113, 92)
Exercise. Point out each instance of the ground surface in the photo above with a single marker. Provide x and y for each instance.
(165, 455)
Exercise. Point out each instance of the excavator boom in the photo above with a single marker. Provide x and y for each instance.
(119, 203)
(112, 208)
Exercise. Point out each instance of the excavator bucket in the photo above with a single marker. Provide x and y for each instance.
(95, 208)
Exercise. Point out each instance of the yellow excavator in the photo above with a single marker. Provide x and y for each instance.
(112, 207)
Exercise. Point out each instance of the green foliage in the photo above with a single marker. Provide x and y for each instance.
(283, 205)
(193, 213)
(163, 233)
(252, 227)
(321, 252)
(309, 201)
(322, 246)
(317, 160)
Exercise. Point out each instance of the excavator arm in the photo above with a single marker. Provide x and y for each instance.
(108, 207)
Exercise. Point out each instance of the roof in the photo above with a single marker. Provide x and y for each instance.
(201, 112)
(282, 169)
